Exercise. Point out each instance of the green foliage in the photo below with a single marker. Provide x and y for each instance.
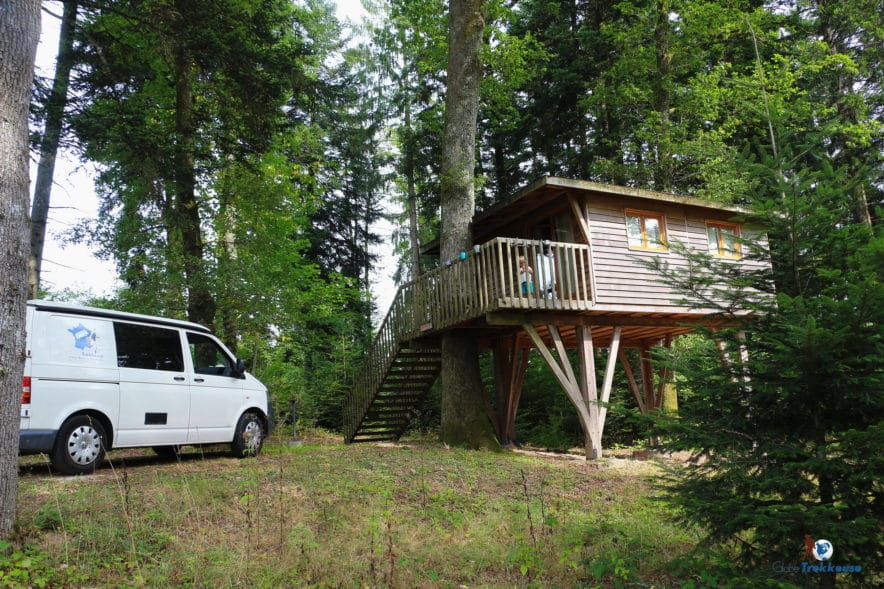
(547, 418)
(28, 568)
(613, 568)
(786, 436)
(217, 196)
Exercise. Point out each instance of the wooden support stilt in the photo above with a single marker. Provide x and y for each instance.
(744, 357)
(664, 374)
(647, 378)
(633, 385)
(740, 370)
(589, 392)
(499, 356)
(566, 378)
(582, 387)
(510, 366)
(518, 381)
(725, 355)
(613, 352)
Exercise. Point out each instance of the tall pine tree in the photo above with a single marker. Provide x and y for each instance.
(790, 435)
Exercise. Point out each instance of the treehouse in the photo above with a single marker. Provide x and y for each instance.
(563, 264)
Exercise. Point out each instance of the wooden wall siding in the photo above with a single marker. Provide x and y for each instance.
(621, 278)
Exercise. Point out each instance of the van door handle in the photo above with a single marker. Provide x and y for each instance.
(199, 380)
(179, 378)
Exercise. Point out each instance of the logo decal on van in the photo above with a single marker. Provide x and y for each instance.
(85, 340)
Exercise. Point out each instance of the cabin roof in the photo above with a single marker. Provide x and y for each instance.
(546, 191)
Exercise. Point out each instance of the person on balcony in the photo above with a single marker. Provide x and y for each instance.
(526, 276)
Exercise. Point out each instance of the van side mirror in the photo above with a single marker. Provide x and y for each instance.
(240, 368)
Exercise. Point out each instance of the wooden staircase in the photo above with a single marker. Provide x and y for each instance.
(400, 393)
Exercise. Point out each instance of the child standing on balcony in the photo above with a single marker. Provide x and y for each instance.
(526, 276)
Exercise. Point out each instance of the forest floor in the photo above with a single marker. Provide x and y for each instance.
(324, 514)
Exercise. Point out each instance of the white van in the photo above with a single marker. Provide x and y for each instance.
(96, 379)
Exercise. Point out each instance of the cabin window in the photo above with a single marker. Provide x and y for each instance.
(646, 230)
(724, 239)
(564, 228)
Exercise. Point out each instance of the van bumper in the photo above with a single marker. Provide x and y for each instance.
(34, 441)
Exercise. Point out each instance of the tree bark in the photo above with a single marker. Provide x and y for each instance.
(20, 26)
(49, 144)
(846, 103)
(200, 302)
(413, 233)
(464, 420)
(663, 170)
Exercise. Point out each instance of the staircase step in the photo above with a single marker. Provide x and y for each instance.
(389, 414)
(377, 431)
(390, 391)
(397, 370)
(385, 422)
(422, 384)
(395, 386)
(357, 439)
(408, 402)
(405, 377)
(386, 411)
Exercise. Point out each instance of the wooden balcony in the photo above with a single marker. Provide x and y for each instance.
(489, 280)
(485, 280)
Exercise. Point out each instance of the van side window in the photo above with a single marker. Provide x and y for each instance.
(150, 348)
(208, 357)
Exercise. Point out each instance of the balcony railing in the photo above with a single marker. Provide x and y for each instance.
(489, 280)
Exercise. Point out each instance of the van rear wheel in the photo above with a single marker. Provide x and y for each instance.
(79, 446)
(249, 435)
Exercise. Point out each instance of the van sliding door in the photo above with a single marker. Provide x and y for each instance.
(154, 399)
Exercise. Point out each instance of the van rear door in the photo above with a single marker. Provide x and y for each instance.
(72, 367)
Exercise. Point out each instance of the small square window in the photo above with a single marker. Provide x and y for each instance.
(646, 231)
(724, 239)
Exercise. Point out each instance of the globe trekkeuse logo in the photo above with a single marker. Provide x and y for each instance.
(817, 558)
(822, 551)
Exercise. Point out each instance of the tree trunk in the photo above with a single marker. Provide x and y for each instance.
(20, 23)
(663, 169)
(49, 144)
(464, 420)
(413, 233)
(845, 101)
(200, 302)
(227, 269)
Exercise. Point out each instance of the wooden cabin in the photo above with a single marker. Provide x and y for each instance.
(589, 287)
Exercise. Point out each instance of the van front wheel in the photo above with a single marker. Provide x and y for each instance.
(79, 447)
(249, 435)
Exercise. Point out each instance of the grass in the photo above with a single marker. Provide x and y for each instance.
(323, 514)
